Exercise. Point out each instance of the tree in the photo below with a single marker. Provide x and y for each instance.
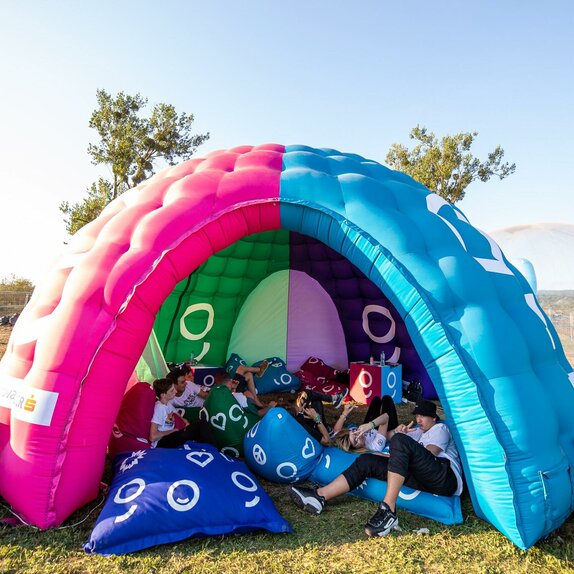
(15, 283)
(130, 145)
(448, 167)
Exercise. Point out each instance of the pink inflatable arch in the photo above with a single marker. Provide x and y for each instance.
(73, 350)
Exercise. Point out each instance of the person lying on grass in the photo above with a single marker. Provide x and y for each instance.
(423, 458)
(309, 413)
(163, 433)
(378, 426)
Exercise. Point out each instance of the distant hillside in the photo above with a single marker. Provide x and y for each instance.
(557, 300)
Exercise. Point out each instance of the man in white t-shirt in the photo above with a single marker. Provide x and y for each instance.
(423, 458)
(187, 393)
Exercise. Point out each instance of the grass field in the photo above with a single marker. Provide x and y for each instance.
(332, 543)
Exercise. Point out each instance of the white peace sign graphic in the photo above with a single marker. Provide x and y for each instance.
(183, 504)
(259, 454)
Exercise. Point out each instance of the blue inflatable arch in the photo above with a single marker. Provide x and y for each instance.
(493, 356)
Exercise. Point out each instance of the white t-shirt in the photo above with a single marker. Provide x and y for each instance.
(375, 441)
(241, 399)
(439, 435)
(189, 397)
(163, 418)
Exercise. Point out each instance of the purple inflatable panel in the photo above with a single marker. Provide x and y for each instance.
(370, 322)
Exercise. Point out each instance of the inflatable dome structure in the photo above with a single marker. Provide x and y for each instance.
(289, 252)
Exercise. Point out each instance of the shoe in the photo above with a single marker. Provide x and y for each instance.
(382, 522)
(339, 398)
(262, 368)
(307, 499)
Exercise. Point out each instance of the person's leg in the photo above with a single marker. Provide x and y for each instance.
(366, 465)
(374, 409)
(419, 468)
(388, 406)
(248, 376)
(176, 439)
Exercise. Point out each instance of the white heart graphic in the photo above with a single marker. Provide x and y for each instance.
(199, 457)
(215, 420)
(308, 448)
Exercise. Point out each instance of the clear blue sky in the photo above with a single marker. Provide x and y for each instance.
(355, 76)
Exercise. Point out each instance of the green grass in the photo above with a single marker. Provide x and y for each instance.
(333, 542)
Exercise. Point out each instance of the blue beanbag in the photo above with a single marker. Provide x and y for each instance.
(276, 379)
(279, 449)
(164, 495)
(233, 363)
(445, 509)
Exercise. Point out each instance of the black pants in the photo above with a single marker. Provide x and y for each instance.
(421, 469)
(175, 439)
(315, 401)
(382, 405)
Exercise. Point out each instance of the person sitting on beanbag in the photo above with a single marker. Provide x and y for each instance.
(162, 431)
(248, 401)
(188, 395)
(243, 374)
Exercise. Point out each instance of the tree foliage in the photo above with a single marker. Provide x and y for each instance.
(16, 283)
(447, 167)
(129, 145)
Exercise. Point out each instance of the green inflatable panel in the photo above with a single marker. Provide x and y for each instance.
(261, 327)
(151, 365)
(198, 316)
(227, 422)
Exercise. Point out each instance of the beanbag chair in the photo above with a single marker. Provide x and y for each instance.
(225, 420)
(279, 449)
(233, 363)
(161, 495)
(320, 370)
(131, 430)
(309, 381)
(445, 509)
(276, 378)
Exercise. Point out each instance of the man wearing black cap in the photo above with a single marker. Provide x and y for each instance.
(424, 458)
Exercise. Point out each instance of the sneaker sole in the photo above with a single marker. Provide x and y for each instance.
(299, 501)
(369, 531)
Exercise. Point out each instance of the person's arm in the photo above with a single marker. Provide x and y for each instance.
(436, 450)
(438, 437)
(203, 394)
(380, 423)
(341, 420)
(311, 413)
(155, 434)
